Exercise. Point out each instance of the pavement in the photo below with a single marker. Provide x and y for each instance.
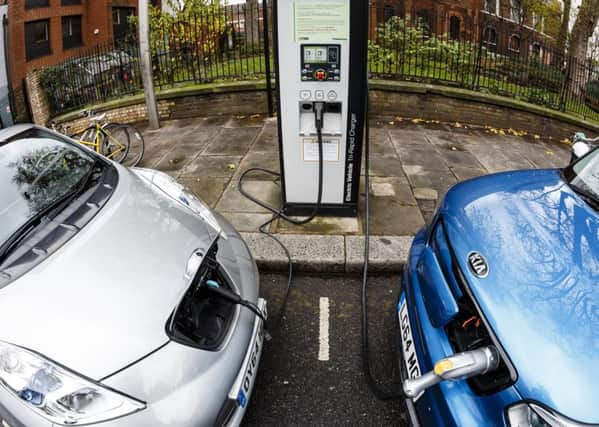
(413, 164)
(296, 385)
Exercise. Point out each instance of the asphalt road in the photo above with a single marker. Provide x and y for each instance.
(295, 386)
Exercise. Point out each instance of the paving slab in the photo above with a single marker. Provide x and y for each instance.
(388, 254)
(264, 160)
(424, 156)
(176, 159)
(321, 225)
(217, 166)
(266, 141)
(397, 187)
(463, 174)
(246, 222)
(232, 142)
(252, 120)
(315, 254)
(233, 201)
(384, 165)
(407, 137)
(389, 217)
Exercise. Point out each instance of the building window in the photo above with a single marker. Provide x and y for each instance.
(536, 50)
(31, 4)
(120, 21)
(516, 11)
(69, 2)
(423, 19)
(514, 45)
(71, 32)
(492, 6)
(389, 12)
(454, 28)
(37, 39)
(490, 38)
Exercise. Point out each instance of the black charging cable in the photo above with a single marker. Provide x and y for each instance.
(278, 212)
(374, 386)
(235, 298)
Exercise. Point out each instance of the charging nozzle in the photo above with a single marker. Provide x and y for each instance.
(456, 367)
(319, 114)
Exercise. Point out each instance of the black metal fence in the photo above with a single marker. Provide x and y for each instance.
(483, 53)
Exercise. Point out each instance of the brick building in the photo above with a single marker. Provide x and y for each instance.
(498, 22)
(46, 32)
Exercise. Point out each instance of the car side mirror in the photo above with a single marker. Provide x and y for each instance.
(579, 149)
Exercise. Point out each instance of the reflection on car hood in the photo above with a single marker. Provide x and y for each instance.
(102, 300)
(541, 296)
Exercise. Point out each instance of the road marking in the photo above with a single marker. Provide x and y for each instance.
(323, 349)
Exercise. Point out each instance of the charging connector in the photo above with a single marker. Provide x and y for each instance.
(231, 296)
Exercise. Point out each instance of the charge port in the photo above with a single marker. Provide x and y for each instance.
(333, 107)
(307, 106)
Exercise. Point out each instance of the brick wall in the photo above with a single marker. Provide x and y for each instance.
(96, 28)
(408, 105)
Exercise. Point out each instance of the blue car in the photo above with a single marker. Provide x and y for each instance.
(506, 277)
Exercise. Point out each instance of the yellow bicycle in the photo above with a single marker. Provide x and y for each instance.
(109, 139)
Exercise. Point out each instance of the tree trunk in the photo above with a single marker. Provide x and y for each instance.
(564, 28)
(252, 30)
(586, 21)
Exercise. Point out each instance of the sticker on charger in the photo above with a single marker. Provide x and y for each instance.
(330, 149)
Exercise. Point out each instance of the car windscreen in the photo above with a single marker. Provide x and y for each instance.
(37, 169)
(583, 177)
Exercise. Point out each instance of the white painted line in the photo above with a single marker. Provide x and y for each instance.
(323, 348)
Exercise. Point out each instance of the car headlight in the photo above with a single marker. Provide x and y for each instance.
(57, 394)
(180, 194)
(533, 415)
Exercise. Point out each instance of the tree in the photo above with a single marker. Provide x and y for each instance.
(582, 31)
(252, 23)
(562, 38)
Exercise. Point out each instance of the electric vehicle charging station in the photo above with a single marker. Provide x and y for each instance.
(321, 66)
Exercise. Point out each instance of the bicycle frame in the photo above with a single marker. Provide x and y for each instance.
(96, 143)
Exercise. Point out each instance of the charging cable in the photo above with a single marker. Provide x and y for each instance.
(372, 382)
(231, 296)
(278, 212)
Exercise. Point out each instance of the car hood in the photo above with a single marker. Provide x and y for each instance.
(102, 300)
(541, 295)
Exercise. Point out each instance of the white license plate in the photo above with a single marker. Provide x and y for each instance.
(408, 347)
(245, 381)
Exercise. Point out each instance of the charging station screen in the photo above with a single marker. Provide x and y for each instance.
(316, 54)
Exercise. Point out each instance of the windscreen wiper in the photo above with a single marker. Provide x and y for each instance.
(33, 222)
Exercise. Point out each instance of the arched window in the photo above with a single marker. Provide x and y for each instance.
(536, 49)
(490, 38)
(454, 28)
(514, 45)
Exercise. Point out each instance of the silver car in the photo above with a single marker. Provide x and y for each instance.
(124, 300)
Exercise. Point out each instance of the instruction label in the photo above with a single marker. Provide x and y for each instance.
(330, 149)
(321, 22)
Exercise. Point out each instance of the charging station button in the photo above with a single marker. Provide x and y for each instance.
(332, 95)
(320, 75)
(305, 94)
(319, 95)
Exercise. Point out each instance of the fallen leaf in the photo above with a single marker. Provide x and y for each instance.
(416, 121)
(551, 153)
(535, 136)
(232, 166)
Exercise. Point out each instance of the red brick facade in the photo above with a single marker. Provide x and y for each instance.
(469, 15)
(96, 28)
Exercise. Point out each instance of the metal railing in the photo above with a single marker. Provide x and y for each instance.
(484, 53)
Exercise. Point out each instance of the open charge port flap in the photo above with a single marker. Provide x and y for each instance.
(202, 319)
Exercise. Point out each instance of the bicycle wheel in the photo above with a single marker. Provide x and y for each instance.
(136, 144)
(88, 138)
(115, 143)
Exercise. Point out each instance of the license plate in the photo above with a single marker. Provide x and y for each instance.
(247, 376)
(408, 347)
